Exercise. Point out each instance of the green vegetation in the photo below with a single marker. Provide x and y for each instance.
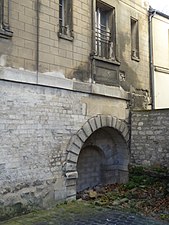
(65, 211)
(147, 192)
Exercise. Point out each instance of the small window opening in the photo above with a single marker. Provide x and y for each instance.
(134, 39)
(65, 18)
(4, 19)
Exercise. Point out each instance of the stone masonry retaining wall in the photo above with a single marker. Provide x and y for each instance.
(36, 126)
(150, 138)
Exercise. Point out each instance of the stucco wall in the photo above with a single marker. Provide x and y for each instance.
(161, 92)
(136, 72)
(161, 60)
(160, 41)
(150, 137)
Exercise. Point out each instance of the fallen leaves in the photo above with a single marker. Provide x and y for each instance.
(146, 194)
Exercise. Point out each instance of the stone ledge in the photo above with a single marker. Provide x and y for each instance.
(57, 81)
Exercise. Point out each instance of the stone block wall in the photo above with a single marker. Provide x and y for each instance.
(34, 47)
(150, 138)
(36, 125)
(57, 55)
(88, 168)
(48, 93)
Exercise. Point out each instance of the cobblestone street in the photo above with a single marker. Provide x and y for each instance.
(80, 214)
(106, 218)
(111, 218)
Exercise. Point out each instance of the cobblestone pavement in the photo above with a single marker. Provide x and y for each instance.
(105, 218)
(82, 215)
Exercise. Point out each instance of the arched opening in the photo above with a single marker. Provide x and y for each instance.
(97, 154)
(103, 159)
(89, 167)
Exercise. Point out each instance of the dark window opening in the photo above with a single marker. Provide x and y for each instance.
(134, 39)
(4, 19)
(104, 31)
(65, 19)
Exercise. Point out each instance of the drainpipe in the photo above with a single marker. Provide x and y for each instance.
(151, 12)
(37, 39)
(93, 41)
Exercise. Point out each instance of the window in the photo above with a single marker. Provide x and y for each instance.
(104, 31)
(65, 19)
(4, 19)
(134, 39)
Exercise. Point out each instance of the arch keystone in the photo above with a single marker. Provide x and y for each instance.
(109, 121)
(103, 120)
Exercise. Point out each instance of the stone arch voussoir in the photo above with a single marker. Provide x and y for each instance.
(77, 141)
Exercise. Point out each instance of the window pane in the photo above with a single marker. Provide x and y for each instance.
(65, 17)
(134, 38)
(6, 14)
(103, 36)
(1, 11)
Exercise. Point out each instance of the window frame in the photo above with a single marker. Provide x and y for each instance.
(66, 20)
(135, 52)
(110, 30)
(5, 31)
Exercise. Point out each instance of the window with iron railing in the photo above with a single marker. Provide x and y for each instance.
(4, 19)
(65, 19)
(104, 31)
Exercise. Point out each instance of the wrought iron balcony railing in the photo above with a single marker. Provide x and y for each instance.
(103, 42)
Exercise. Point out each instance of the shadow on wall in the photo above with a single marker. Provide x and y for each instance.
(130, 82)
(111, 136)
(81, 73)
(103, 159)
(89, 167)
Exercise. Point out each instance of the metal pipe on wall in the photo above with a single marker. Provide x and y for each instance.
(151, 12)
(37, 38)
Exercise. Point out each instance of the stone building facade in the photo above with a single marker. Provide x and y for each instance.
(69, 73)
